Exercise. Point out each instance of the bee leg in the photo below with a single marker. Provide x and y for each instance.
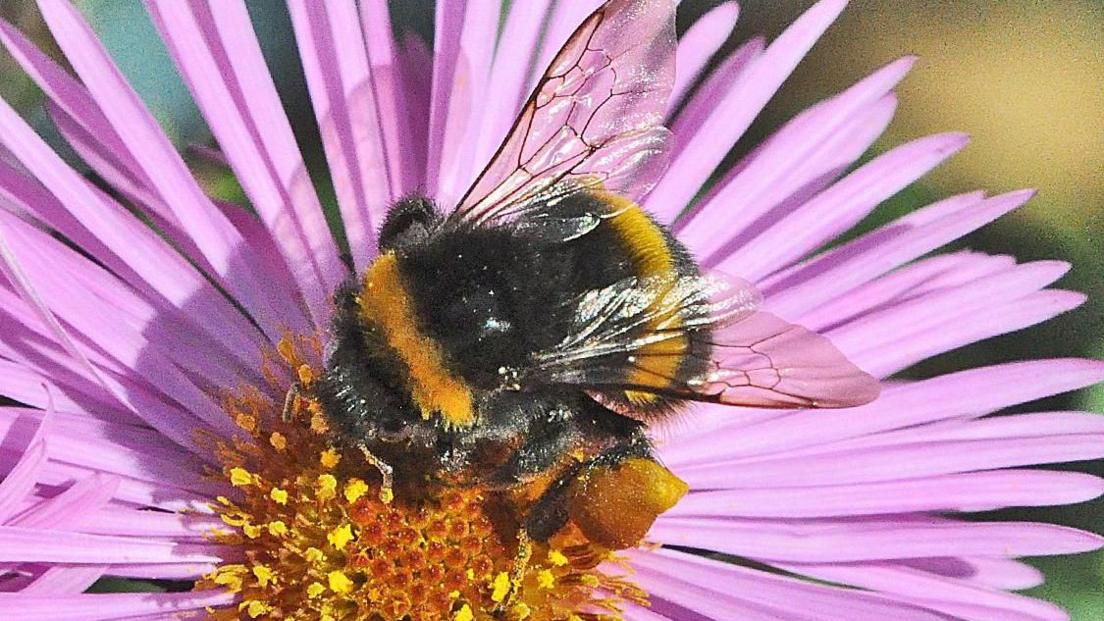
(613, 498)
(387, 485)
(296, 390)
(521, 564)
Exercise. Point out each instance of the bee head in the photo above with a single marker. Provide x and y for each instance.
(409, 221)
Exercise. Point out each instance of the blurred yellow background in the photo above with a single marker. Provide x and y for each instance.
(1025, 79)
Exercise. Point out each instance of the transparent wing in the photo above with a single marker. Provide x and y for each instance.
(637, 336)
(593, 120)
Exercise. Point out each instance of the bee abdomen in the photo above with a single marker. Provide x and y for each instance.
(652, 253)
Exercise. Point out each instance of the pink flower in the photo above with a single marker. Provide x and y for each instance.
(124, 330)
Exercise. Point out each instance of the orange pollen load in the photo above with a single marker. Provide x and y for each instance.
(317, 542)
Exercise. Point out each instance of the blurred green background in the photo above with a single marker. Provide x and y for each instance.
(1024, 77)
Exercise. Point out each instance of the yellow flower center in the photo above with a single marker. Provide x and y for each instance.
(318, 542)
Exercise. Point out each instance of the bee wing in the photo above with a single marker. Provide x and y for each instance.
(635, 334)
(765, 361)
(593, 120)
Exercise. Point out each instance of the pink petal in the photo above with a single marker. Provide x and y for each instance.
(94, 607)
(976, 491)
(724, 591)
(138, 248)
(845, 267)
(104, 164)
(971, 393)
(930, 591)
(99, 448)
(21, 479)
(95, 287)
(700, 106)
(987, 572)
(906, 283)
(463, 46)
(335, 61)
(41, 546)
(254, 134)
(741, 104)
(24, 385)
(896, 462)
(71, 506)
(129, 522)
(512, 76)
(162, 571)
(698, 45)
(137, 128)
(916, 346)
(64, 580)
(804, 149)
(837, 542)
(405, 167)
(180, 428)
(107, 331)
(74, 100)
(836, 209)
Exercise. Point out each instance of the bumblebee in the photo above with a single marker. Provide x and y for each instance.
(525, 339)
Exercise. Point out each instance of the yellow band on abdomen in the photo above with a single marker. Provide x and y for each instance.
(642, 239)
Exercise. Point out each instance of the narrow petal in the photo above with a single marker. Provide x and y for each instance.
(810, 174)
(930, 591)
(130, 314)
(107, 331)
(512, 76)
(71, 97)
(137, 128)
(845, 267)
(180, 427)
(405, 167)
(838, 542)
(219, 70)
(897, 462)
(463, 47)
(904, 284)
(35, 545)
(335, 62)
(701, 104)
(21, 479)
(108, 605)
(834, 210)
(698, 45)
(804, 149)
(970, 393)
(977, 491)
(64, 580)
(139, 250)
(723, 591)
(699, 157)
(987, 572)
(964, 330)
(24, 385)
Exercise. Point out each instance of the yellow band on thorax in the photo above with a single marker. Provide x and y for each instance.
(385, 302)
